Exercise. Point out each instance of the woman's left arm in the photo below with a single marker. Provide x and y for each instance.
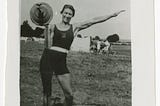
(86, 24)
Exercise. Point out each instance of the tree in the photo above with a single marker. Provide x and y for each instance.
(113, 38)
(38, 32)
(26, 29)
(97, 38)
(79, 36)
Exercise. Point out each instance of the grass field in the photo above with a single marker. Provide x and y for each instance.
(98, 80)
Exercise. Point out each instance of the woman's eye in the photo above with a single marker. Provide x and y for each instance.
(68, 13)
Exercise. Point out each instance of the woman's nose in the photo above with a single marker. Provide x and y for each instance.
(68, 15)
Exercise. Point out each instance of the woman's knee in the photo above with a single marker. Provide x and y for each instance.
(65, 82)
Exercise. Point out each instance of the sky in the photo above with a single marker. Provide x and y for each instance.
(85, 10)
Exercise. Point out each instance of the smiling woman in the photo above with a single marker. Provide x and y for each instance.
(60, 37)
(51, 69)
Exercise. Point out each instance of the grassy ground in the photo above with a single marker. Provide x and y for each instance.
(97, 79)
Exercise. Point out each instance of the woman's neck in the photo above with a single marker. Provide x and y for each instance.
(63, 26)
(65, 23)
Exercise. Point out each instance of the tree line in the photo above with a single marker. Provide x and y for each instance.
(28, 31)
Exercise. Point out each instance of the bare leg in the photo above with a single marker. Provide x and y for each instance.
(65, 82)
(47, 83)
(46, 77)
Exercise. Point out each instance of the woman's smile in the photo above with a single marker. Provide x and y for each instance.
(67, 15)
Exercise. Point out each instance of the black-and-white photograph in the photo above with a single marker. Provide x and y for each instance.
(75, 53)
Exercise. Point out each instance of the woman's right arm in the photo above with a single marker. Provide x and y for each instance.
(49, 33)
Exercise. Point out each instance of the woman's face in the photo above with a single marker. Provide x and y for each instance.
(67, 14)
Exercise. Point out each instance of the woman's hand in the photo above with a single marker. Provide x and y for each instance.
(117, 13)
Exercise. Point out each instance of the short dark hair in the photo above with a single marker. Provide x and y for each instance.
(70, 7)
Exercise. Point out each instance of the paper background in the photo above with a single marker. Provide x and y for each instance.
(142, 29)
(3, 39)
(157, 45)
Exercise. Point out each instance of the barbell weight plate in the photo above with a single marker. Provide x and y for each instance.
(41, 14)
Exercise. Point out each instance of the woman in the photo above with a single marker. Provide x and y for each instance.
(60, 37)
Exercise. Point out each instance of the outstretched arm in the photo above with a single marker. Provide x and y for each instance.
(86, 24)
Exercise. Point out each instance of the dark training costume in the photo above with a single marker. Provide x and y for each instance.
(63, 39)
(55, 61)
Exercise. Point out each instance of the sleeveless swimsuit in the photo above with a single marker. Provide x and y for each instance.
(63, 39)
(55, 61)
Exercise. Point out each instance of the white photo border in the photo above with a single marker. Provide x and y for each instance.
(143, 58)
(3, 42)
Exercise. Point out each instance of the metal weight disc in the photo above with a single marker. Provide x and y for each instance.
(41, 14)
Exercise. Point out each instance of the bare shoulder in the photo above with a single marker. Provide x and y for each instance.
(52, 26)
(83, 25)
(76, 26)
